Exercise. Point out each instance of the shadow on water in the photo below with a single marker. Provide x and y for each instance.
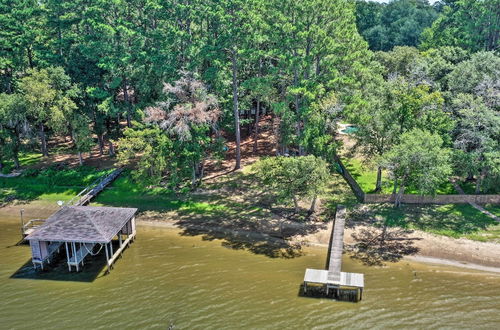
(319, 292)
(57, 270)
(267, 245)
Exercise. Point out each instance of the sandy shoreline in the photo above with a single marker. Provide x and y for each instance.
(433, 249)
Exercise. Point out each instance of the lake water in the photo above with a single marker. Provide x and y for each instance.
(165, 278)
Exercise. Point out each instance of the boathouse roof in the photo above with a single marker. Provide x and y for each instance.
(85, 224)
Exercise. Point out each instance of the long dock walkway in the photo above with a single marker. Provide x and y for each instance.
(83, 198)
(94, 189)
(336, 283)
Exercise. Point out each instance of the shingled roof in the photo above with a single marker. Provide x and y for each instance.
(86, 224)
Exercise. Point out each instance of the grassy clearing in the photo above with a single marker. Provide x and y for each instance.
(454, 220)
(366, 177)
(48, 185)
(25, 159)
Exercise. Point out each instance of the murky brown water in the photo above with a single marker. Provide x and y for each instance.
(165, 278)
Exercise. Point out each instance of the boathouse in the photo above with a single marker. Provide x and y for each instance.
(83, 231)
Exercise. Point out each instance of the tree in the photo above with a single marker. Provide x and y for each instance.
(469, 24)
(13, 125)
(82, 135)
(398, 23)
(188, 122)
(440, 62)
(377, 129)
(476, 137)
(47, 94)
(318, 53)
(21, 39)
(294, 178)
(419, 160)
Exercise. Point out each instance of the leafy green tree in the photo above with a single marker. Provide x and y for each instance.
(319, 54)
(419, 160)
(13, 126)
(481, 71)
(398, 23)
(439, 62)
(294, 178)
(21, 39)
(476, 137)
(469, 24)
(82, 135)
(47, 94)
(188, 118)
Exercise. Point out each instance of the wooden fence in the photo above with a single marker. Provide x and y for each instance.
(411, 199)
(438, 199)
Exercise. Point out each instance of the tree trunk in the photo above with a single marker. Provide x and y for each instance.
(43, 141)
(312, 209)
(127, 102)
(395, 187)
(236, 110)
(111, 148)
(16, 161)
(479, 182)
(100, 138)
(80, 158)
(256, 132)
(378, 186)
(399, 196)
(296, 204)
(30, 57)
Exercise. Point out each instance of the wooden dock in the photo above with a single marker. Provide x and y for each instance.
(336, 246)
(94, 189)
(83, 198)
(334, 282)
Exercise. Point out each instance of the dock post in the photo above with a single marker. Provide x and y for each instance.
(67, 255)
(107, 256)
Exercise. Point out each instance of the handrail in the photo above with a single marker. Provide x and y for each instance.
(81, 198)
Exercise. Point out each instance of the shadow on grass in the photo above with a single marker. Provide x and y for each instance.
(374, 246)
(236, 211)
(452, 220)
(385, 233)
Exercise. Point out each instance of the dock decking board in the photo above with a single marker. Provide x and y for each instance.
(336, 246)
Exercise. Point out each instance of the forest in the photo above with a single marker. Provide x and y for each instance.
(169, 86)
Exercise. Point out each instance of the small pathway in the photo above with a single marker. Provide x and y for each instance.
(474, 205)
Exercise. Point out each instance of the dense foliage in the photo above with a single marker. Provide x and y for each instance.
(294, 178)
(398, 23)
(167, 80)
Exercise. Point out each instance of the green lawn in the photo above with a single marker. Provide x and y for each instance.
(366, 177)
(454, 220)
(25, 159)
(48, 185)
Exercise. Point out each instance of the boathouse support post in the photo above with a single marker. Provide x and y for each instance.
(73, 245)
(67, 255)
(107, 256)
